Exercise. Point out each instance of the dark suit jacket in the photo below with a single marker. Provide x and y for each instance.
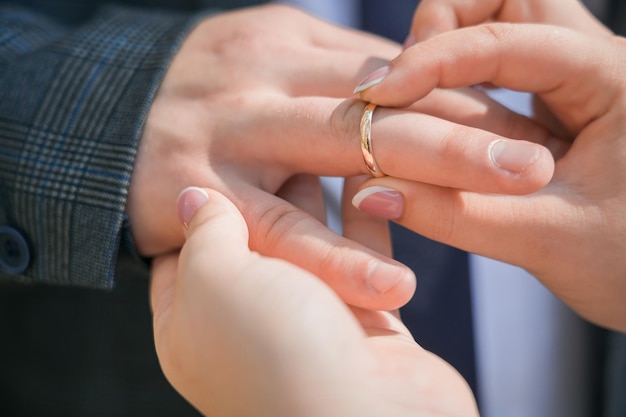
(76, 82)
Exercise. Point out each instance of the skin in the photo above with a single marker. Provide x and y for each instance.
(433, 17)
(305, 343)
(234, 115)
(241, 334)
(570, 233)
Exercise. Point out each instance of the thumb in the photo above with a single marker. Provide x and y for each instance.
(225, 283)
(216, 231)
(221, 216)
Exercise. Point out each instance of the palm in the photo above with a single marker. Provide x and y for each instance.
(417, 381)
(343, 362)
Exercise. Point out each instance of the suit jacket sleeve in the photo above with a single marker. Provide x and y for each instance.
(73, 103)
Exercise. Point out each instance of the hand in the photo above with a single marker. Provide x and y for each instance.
(240, 334)
(236, 112)
(256, 96)
(438, 16)
(433, 17)
(570, 234)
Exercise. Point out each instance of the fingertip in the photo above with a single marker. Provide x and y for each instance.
(544, 168)
(379, 201)
(215, 229)
(194, 212)
(512, 155)
(386, 278)
(401, 82)
(189, 201)
(523, 160)
(372, 79)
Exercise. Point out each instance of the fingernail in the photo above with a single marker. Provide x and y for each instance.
(512, 155)
(189, 201)
(371, 80)
(382, 276)
(380, 201)
(409, 41)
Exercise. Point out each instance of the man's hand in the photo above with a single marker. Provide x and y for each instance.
(257, 96)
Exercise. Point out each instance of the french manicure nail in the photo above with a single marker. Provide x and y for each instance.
(380, 201)
(371, 80)
(512, 155)
(189, 201)
(382, 276)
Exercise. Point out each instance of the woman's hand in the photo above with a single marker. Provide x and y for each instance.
(240, 334)
(433, 17)
(570, 234)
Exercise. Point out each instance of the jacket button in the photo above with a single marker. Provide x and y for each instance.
(14, 253)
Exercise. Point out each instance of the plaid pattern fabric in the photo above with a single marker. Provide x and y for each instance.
(73, 104)
(76, 82)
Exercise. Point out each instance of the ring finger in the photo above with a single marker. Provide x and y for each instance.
(321, 136)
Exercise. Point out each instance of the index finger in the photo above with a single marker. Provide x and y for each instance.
(567, 68)
(438, 16)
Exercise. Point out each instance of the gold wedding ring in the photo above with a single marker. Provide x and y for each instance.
(366, 141)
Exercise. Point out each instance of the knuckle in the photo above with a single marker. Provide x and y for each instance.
(345, 125)
(496, 31)
(495, 35)
(346, 118)
(455, 142)
(443, 219)
(276, 225)
(286, 232)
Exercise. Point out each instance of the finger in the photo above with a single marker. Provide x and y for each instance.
(217, 260)
(321, 136)
(487, 224)
(382, 323)
(308, 71)
(320, 58)
(329, 35)
(370, 231)
(359, 275)
(433, 17)
(506, 56)
(305, 192)
(473, 107)
(220, 286)
(223, 228)
(542, 233)
(217, 246)
(327, 73)
(512, 229)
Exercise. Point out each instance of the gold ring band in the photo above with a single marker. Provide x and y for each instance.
(366, 141)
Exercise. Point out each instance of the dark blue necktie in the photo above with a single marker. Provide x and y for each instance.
(440, 314)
